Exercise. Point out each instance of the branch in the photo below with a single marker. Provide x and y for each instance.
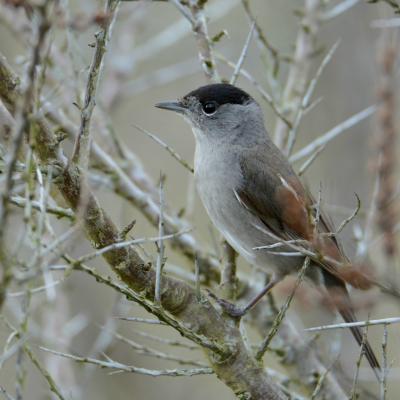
(193, 11)
(228, 355)
(82, 147)
(299, 71)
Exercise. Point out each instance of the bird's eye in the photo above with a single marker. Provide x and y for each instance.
(210, 107)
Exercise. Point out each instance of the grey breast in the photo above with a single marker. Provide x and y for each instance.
(216, 181)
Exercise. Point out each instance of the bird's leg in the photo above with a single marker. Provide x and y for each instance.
(238, 312)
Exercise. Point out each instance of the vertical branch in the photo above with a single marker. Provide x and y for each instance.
(83, 142)
(353, 393)
(384, 371)
(160, 258)
(299, 71)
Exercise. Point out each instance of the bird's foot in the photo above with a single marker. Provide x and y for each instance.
(238, 312)
(229, 308)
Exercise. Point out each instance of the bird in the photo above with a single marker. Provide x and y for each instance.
(258, 203)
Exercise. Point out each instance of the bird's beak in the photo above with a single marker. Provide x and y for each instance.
(176, 106)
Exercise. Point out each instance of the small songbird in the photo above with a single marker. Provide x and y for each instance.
(256, 200)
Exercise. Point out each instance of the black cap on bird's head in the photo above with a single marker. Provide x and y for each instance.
(210, 97)
(221, 93)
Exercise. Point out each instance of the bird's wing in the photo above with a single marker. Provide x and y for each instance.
(272, 191)
(286, 209)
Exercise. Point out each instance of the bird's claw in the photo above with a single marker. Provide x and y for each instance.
(229, 308)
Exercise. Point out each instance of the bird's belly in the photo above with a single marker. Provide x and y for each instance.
(242, 230)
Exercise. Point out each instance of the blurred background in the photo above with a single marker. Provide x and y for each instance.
(153, 57)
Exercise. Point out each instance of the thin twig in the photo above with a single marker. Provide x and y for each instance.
(278, 319)
(81, 153)
(243, 55)
(310, 160)
(60, 212)
(160, 257)
(6, 395)
(263, 39)
(127, 243)
(143, 320)
(193, 11)
(353, 393)
(166, 147)
(197, 278)
(129, 368)
(50, 381)
(264, 94)
(345, 325)
(169, 342)
(384, 371)
(160, 313)
(351, 217)
(333, 133)
(305, 102)
(141, 349)
(299, 70)
(339, 9)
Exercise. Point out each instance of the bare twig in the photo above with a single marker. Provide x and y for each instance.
(82, 147)
(59, 212)
(305, 101)
(339, 9)
(353, 393)
(125, 244)
(384, 372)
(278, 320)
(50, 381)
(263, 39)
(143, 320)
(242, 55)
(345, 325)
(333, 133)
(129, 368)
(166, 147)
(149, 351)
(161, 248)
(264, 94)
(310, 160)
(299, 71)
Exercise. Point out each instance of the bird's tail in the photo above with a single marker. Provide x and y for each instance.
(345, 309)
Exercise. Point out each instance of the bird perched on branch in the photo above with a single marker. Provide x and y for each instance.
(257, 201)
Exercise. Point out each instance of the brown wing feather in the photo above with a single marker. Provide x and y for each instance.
(281, 202)
(272, 191)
